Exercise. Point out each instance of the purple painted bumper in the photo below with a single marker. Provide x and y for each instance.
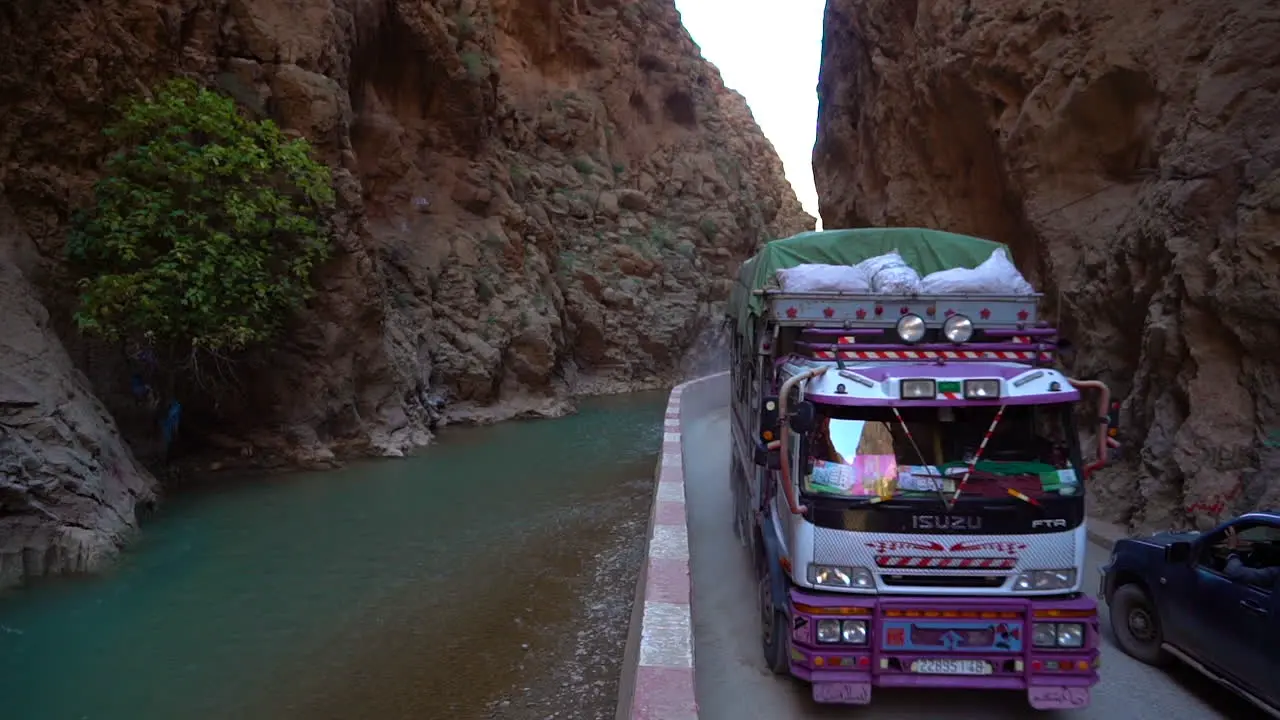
(944, 642)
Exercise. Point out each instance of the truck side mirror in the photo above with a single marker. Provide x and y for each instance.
(1178, 552)
(802, 420)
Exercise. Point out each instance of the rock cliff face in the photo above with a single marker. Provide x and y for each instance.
(1128, 154)
(539, 197)
(68, 483)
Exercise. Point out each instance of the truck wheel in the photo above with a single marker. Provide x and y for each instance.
(739, 531)
(773, 628)
(735, 491)
(1136, 624)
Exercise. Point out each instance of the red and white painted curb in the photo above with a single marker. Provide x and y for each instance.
(664, 676)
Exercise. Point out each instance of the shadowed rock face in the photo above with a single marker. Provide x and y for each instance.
(1128, 154)
(537, 197)
(68, 483)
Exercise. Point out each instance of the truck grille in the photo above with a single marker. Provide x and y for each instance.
(953, 581)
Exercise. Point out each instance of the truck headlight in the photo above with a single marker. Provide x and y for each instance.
(854, 632)
(918, 389)
(1044, 635)
(982, 389)
(1070, 635)
(828, 631)
(850, 632)
(840, 576)
(1063, 635)
(958, 329)
(1045, 580)
(911, 328)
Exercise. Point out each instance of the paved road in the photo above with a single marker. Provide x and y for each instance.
(732, 683)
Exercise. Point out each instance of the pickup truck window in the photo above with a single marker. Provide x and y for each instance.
(1255, 542)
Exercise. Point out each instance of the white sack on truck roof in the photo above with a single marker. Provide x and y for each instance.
(995, 276)
(886, 274)
(824, 278)
(891, 275)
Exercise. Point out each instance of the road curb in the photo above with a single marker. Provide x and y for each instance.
(660, 684)
(1104, 534)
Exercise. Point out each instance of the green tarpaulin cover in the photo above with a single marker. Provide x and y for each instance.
(927, 251)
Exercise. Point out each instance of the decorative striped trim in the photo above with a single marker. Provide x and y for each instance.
(929, 355)
(959, 563)
(664, 675)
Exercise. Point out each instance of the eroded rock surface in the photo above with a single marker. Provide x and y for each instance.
(1128, 154)
(68, 483)
(538, 197)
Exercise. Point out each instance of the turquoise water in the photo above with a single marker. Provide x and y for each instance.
(490, 576)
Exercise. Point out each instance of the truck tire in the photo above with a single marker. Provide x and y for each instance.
(1136, 624)
(773, 631)
(737, 517)
(735, 491)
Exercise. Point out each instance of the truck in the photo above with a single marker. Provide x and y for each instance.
(908, 476)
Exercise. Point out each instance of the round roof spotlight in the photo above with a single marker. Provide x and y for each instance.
(911, 328)
(958, 329)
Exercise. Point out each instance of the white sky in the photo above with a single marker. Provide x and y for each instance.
(769, 51)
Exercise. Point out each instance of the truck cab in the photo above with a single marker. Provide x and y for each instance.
(910, 481)
(870, 473)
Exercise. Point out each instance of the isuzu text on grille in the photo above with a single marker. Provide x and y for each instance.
(946, 522)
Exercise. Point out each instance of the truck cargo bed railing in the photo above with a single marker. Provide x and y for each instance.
(1036, 346)
(915, 353)
(848, 311)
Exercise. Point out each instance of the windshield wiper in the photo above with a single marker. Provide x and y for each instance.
(942, 498)
(978, 456)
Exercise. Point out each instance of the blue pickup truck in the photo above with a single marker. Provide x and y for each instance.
(1207, 599)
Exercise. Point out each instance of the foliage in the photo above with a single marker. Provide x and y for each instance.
(476, 64)
(205, 230)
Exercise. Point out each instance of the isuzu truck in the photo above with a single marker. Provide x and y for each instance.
(907, 469)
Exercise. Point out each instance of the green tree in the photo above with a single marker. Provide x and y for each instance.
(205, 229)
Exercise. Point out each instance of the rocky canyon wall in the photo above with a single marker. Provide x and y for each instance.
(69, 485)
(1128, 154)
(537, 197)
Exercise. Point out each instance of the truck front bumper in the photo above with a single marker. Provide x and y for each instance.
(945, 642)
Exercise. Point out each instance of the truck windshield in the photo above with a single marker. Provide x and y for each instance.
(870, 453)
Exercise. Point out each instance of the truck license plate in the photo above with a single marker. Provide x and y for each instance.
(950, 666)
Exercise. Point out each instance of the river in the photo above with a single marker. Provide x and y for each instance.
(490, 576)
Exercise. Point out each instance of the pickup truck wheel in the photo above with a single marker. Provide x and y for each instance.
(773, 630)
(1137, 625)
